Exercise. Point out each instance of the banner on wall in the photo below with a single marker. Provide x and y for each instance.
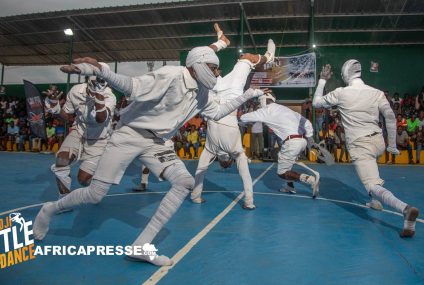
(287, 72)
(35, 110)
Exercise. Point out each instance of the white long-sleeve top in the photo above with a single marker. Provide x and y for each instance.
(164, 100)
(282, 120)
(78, 102)
(359, 106)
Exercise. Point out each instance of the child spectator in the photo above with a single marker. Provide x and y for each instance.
(192, 140)
(340, 142)
(412, 124)
(51, 138)
(402, 142)
(12, 133)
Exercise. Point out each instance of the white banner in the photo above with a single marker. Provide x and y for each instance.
(294, 71)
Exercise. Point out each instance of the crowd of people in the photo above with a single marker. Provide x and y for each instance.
(15, 129)
(409, 111)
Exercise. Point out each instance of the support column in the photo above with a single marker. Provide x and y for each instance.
(311, 43)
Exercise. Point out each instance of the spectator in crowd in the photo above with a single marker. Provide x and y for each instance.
(408, 105)
(412, 124)
(3, 135)
(340, 143)
(319, 119)
(401, 121)
(8, 119)
(402, 142)
(12, 134)
(22, 137)
(51, 138)
(419, 141)
(60, 133)
(396, 99)
(419, 101)
(192, 141)
(257, 140)
(332, 125)
(196, 121)
(202, 133)
(421, 119)
(327, 135)
(397, 109)
(180, 140)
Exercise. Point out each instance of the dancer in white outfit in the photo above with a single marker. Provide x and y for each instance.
(160, 103)
(360, 106)
(295, 131)
(93, 104)
(223, 139)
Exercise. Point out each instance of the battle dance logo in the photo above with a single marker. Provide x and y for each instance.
(16, 246)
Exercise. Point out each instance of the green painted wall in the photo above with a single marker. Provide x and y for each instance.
(400, 67)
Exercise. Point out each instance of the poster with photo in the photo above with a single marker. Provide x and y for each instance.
(287, 72)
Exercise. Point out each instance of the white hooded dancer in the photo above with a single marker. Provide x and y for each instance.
(360, 106)
(295, 131)
(223, 139)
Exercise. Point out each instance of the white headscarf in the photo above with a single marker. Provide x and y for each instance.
(198, 58)
(351, 69)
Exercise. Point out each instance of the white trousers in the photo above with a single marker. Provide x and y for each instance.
(87, 151)
(364, 153)
(289, 153)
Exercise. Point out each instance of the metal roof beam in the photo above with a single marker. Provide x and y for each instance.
(130, 9)
(167, 50)
(246, 20)
(211, 35)
(97, 44)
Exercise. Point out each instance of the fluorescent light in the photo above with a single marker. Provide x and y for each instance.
(314, 46)
(69, 32)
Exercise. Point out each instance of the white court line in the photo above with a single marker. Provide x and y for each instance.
(224, 191)
(161, 272)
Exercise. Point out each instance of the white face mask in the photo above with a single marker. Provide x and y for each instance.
(96, 84)
(204, 75)
(351, 69)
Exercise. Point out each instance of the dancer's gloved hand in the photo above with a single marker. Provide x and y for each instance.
(253, 93)
(393, 150)
(311, 143)
(84, 66)
(326, 72)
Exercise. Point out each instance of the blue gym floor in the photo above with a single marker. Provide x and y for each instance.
(288, 239)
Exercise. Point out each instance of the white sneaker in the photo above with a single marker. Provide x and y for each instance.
(270, 53)
(249, 206)
(198, 200)
(315, 186)
(288, 189)
(375, 204)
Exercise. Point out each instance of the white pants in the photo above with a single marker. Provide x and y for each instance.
(125, 145)
(88, 151)
(289, 153)
(364, 153)
(223, 139)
